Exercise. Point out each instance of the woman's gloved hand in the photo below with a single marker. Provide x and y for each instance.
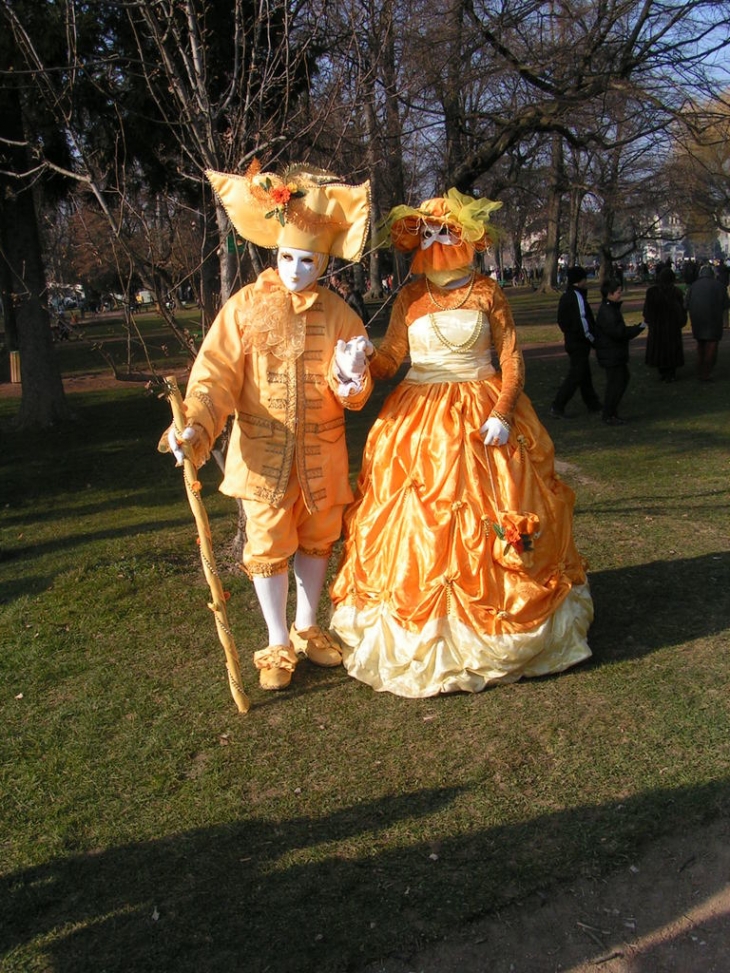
(495, 432)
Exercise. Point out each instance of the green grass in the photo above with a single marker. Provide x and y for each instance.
(145, 825)
(97, 339)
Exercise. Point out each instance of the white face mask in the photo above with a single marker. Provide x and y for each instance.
(437, 233)
(299, 269)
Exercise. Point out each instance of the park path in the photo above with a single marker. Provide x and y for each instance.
(666, 912)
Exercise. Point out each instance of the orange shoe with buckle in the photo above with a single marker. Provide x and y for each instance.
(317, 645)
(276, 663)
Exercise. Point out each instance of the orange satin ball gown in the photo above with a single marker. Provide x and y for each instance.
(459, 568)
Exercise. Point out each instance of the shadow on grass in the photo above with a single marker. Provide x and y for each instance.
(226, 898)
(112, 441)
(643, 608)
(14, 560)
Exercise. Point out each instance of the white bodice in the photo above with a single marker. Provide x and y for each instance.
(450, 346)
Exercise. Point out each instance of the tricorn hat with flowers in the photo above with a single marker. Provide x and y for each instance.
(305, 208)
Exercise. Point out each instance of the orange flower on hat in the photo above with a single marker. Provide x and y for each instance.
(281, 195)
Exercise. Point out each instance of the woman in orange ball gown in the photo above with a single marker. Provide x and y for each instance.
(459, 568)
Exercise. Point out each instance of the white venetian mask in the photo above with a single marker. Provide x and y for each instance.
(437, 233)
(299, 269)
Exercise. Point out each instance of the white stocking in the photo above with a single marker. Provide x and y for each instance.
(309, 573)
(272, 593)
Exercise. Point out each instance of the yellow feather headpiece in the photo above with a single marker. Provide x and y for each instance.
(466, 216)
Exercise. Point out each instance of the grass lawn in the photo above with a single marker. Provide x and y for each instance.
(147, 826)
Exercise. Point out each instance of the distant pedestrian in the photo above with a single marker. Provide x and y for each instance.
(612, 348)
(722, 272)
(706, 300)
(352, 296)
(689, 271)
(723, 275)
(665, 316)
(576, 321)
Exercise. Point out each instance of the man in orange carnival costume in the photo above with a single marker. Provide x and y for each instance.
(459, 568)
(285, 357)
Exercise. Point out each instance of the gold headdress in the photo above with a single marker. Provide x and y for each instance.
(305, 208)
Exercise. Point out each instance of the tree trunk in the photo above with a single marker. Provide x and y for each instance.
(517, 250)
(606, 252)
(228, 262)
(552, 241)
(8, 308)
(43, 402)
(609, 216)
(375, 288)
(452, 96)
(576, 198)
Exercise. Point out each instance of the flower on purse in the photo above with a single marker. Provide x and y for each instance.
(518, 531)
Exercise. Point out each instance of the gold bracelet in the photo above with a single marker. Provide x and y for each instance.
(502, 418)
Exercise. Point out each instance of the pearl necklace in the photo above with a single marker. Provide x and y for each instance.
(461, 303)
(463, 346)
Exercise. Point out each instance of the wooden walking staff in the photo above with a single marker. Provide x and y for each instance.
(218, 605)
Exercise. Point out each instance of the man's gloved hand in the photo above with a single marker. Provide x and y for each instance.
(351, 361)
(495, 432)
(351, 358)
(189, 436)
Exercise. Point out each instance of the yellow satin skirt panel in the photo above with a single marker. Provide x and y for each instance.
(459, 568)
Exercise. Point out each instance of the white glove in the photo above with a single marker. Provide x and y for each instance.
(351, 359)
(188, 437)
(495, 432)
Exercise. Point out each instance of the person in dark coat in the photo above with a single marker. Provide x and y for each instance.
(576, 321)
(612, 348)
(355, 299)
(706, 300)
(665, 316)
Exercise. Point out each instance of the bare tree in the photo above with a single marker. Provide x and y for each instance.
(43, 403)
(159, 92)
(359, 122)
(566, 55)
(221, 116)
(559, 71)
(697, 171)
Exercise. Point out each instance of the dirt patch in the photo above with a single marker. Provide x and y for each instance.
(574, 472)
(668, 912)
(77, 383)
(92, 382)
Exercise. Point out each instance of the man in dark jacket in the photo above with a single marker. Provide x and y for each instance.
(575, 320)
(612, 348)
(706, 301)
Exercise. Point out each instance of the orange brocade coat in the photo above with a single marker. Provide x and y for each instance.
(459, 568)
(287, 410)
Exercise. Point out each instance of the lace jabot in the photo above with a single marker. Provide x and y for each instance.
(274, 322)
